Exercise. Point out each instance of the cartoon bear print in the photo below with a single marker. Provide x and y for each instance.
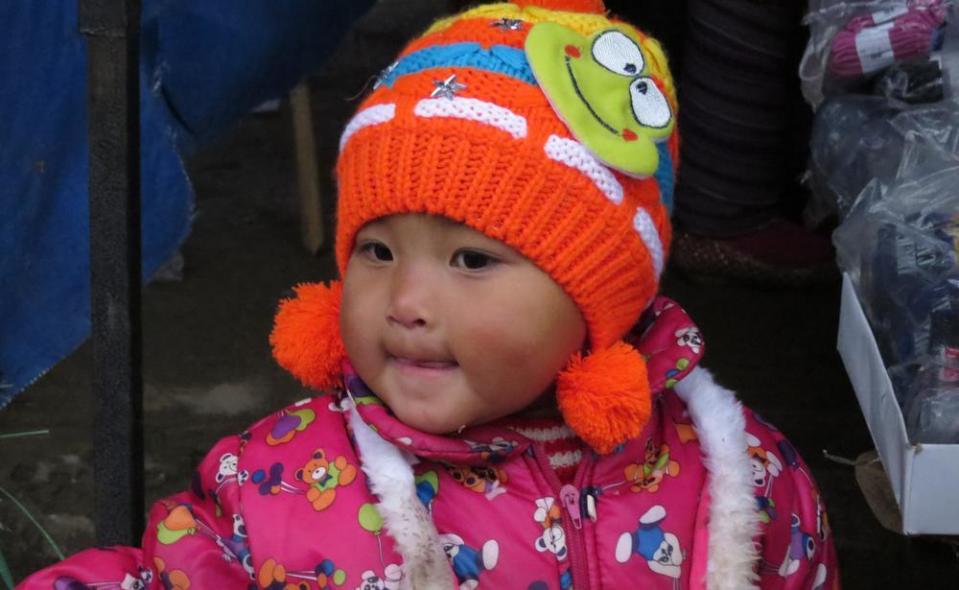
(469, 563)
(324, 477)
(482, 480)
(659, 548)
(228, 471)
(650, 474)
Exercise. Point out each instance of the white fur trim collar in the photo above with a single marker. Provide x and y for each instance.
(733, 519)
(404, 516)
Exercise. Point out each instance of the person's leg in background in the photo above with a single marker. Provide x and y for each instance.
(745, 131)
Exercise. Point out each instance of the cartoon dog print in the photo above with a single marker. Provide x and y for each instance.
(390, 580)
(494, 451)
(766, 467)
(469, 563)
(691, 338)
(802, 546)
(553, 538)
(324, 477)
(650, 474)
(659, 548)
(237, 546)
(141, 581)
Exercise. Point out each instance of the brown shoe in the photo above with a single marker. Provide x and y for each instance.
(781, 254)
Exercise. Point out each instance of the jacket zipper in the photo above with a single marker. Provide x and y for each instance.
(569, 497)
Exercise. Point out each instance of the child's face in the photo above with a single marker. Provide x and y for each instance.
(450, 327)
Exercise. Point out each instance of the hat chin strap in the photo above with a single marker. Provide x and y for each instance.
(605, 396)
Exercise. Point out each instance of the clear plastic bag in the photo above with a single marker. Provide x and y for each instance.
(932, 407)
(900, 244)
(857, 140)
(851, 42)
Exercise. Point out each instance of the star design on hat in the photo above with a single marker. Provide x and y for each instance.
(446, 88)
(508, 24)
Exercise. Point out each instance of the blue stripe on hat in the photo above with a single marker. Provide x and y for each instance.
(664, 176)
(501, 59)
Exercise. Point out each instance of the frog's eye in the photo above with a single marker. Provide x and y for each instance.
(649, 105)
(618, 53)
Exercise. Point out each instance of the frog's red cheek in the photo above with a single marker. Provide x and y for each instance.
(629, 135)
(572, 51)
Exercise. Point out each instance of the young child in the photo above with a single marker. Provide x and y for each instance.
(510, 404)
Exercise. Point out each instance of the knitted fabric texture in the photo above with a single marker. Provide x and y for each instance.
(458, 127)
(527, 135)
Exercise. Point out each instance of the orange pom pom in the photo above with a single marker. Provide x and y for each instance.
(605, 396)
(592, 6)
(306, 335)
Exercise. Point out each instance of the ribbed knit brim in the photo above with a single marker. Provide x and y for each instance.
(492, 153)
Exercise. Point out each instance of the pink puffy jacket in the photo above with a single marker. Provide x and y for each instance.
(334, 492)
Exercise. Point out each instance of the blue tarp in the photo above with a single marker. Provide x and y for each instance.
(203, 65)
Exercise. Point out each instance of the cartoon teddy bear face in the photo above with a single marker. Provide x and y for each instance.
(315, 470)
(478, 479)
(139, 582)
(229, 463)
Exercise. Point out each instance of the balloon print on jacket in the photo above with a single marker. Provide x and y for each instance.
(180, 522)
(274, 576)
(289, 423)
(320, 475)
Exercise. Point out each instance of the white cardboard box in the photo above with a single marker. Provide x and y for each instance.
(925, 477)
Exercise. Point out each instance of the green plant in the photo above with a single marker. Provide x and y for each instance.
(5, 574)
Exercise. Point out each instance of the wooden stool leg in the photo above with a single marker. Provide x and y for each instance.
(307, 171)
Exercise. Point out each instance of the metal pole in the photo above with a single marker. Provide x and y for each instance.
(111, 28)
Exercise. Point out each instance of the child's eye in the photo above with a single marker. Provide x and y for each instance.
(472, 260)
(377, 251)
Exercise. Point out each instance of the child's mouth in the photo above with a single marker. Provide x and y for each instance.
(423, 366)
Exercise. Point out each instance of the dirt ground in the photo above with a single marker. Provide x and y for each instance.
(208, 370)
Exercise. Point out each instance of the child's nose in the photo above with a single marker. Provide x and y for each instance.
(410, 300)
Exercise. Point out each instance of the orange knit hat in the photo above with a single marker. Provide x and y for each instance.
(542, 124)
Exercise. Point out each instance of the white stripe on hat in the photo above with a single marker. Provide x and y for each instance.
(374, 115)
(473, 109)
(573, 154)
(644, 226)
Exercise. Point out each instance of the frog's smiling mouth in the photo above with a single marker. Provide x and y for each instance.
(579, 93)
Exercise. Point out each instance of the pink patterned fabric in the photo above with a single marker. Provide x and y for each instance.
(286, 505)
